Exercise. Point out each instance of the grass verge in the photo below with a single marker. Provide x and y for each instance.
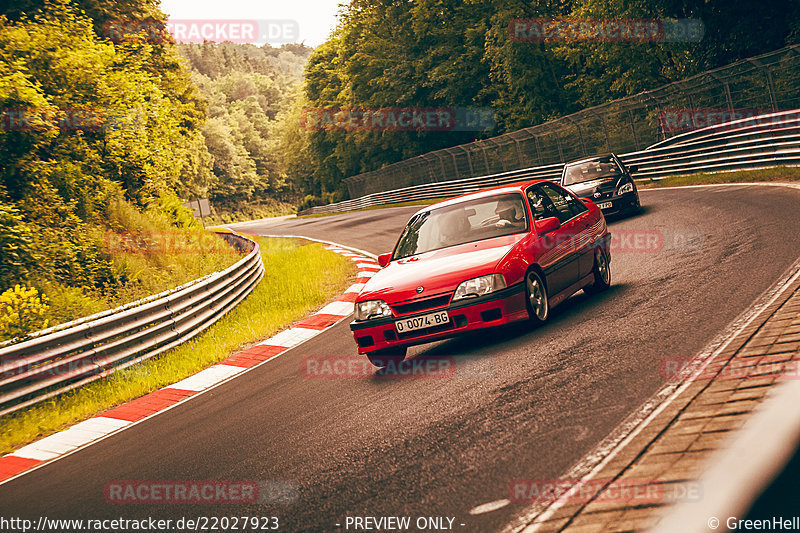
(299, 278)
(735, 176)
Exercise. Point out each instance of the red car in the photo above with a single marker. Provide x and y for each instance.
(481, 260)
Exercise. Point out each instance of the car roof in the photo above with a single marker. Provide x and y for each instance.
(518, 187)
(591, 158)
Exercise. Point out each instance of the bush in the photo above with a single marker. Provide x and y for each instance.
(16, 247)
(22, 311)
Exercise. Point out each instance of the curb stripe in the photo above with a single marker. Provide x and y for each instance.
(118, 418)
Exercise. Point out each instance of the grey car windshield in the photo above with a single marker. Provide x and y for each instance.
(604, 167)
(469, 221)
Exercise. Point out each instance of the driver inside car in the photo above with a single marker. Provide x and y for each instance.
(506, 210)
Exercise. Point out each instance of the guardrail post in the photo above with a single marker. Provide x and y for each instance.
(485, 159)
(441, 164)
(580, 134)
(538, 150)
(770, 86)
(558, 143)
(727, 91)
(456, 174)
(469, 160)
(605, 128)
(519, 152)
(633, 128)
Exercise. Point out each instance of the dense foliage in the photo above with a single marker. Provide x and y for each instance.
(451, 53)
(246, 88)
(65, 183)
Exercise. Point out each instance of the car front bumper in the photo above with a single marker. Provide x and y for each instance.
(619, 204)
(502, 307)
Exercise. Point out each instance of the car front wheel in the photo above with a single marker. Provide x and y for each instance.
(536, 298)
(389, 356)
(601, 272)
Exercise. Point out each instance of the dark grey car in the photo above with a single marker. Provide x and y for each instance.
(604, 180)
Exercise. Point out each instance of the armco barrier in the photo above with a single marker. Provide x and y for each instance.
(63, 358)
(757, 142)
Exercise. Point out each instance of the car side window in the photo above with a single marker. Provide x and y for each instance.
(576, 206)
(541, 205)
(567, 205)
(561, 200)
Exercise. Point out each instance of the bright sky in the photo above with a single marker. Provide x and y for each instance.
(315, 18)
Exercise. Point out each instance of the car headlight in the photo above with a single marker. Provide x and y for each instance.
(628, 187)
(475, 287)
(372, 309)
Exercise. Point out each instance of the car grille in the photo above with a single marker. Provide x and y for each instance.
(602, 196)
(415, 306)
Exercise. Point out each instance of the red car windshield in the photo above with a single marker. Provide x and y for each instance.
(468, 221)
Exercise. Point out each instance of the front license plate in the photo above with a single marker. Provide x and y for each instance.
(605, 205)
(421, 322)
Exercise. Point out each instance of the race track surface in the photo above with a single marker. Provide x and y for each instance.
(522, 404)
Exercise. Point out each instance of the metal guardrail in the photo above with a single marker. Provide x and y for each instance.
(58, 360)
(764, 84)
(765, 141)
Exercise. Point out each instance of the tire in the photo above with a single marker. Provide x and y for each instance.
(601, 272)
(388, 356)
(536, 298)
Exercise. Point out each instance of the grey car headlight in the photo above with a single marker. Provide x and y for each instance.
(475, 287)
(628, 187)
(372, 309)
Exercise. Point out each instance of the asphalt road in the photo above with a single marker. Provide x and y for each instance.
(522, 404)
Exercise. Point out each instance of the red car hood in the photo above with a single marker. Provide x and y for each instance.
(438, 271)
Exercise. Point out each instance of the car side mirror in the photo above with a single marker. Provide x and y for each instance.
(633, 168)
(546, 225)
(384, 259)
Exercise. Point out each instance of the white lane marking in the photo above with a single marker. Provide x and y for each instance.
(341, 246)
(32, 452)
(488, 507)
(103, 423)
(612, 445)
(291, 337)
(337, 308)
(206, 378)
(356, 288)
(762, 184)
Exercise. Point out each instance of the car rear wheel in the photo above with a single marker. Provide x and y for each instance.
(536, 298)
(388, 356)
(601, 272)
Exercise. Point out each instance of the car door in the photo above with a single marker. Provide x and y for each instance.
(571, 214)
(583, 224)
(557, 259)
